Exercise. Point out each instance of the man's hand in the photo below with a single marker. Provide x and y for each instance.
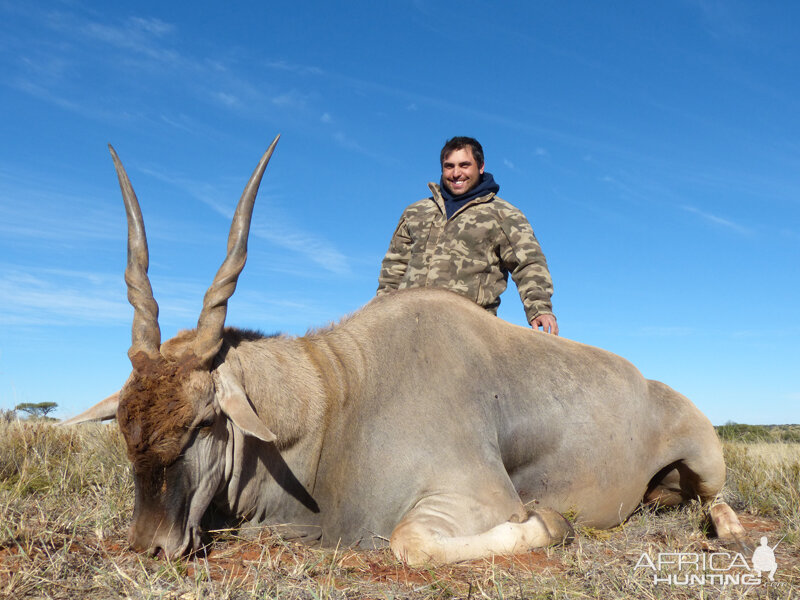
(547, 323)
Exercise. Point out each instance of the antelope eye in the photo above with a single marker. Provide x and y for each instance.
(206, 423)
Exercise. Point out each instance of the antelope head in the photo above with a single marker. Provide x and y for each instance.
(175, 408)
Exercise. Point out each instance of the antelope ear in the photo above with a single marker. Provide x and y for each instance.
(234, 403)
(103, 410)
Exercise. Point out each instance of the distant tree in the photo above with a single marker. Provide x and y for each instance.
(37, 410)
(7, 415)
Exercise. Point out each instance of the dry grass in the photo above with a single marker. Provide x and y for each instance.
(66, 496)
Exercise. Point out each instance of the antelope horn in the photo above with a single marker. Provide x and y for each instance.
(215, 303)
(103, 410)
(145, 335)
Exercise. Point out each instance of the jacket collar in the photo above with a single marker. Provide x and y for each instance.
(439, 201)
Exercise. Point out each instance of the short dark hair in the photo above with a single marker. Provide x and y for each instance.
(459, 142)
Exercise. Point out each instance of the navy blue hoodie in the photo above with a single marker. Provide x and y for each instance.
(487, 185)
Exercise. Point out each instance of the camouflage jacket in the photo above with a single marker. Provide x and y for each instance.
(472, 253)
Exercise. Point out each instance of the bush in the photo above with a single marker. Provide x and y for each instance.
(736, 432)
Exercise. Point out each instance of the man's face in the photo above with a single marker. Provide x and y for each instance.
(460, 172)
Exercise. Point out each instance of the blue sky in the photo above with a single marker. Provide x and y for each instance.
(655, 147)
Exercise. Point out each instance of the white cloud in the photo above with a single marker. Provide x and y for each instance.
(138, 55)
(39, 297)
(718, 220)
(279, 232)
(32, 212)
(508, 163)
(63, 297)
(137, 34)
(292, 99)
(346, 142)
(726, 19)
(326, 118)
(283, 65)
(157, 27)
(182, 122)
(228, 100)
(60, 98)
(315, 249)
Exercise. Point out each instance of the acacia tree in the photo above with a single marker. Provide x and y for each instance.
(37, 410)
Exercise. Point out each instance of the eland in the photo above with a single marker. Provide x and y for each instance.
(421, 422)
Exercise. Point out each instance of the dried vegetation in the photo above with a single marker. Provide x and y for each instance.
(66, 496)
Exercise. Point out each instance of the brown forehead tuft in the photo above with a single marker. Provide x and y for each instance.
(154, 411)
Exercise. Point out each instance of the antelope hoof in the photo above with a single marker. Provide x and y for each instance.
(560, 530)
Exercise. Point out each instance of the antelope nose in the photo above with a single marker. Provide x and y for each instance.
(134, 541)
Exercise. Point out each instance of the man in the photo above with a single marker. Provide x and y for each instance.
(467, 240)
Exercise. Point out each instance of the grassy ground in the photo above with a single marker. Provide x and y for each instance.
(66, 497)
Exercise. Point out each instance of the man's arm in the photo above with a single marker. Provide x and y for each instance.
(524, 259)
(395, 263)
